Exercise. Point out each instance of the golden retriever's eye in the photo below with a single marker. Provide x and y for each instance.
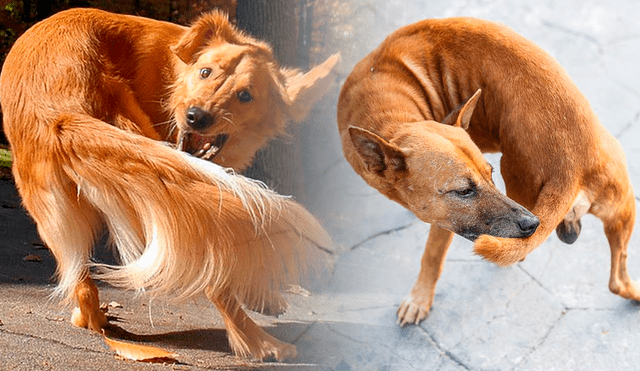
(244, 96)
(205, 72)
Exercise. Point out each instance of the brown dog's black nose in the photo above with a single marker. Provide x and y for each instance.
(528, 225)
(198, 118)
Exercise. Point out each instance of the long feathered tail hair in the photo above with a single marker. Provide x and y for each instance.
(180, 224)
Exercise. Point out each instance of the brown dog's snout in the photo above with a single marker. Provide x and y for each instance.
(198, 118)
(528, 224)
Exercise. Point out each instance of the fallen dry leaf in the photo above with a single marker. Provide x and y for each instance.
(298, 290)
(32, 258)
(39, 245)
(115, 304)
(55, 319)
(140, 353)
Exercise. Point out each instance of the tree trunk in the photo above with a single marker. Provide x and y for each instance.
(276, 22)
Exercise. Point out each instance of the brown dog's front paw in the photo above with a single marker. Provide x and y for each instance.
(628, 289)
(501, 251)
(412, 310)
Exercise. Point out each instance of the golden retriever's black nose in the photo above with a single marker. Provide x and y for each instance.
(198, 118)
(528, 225)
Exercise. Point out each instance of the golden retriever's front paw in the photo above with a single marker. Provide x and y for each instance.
(257, 344)
(94, 321)
(501, 251)
(284, 351)
(413, 310)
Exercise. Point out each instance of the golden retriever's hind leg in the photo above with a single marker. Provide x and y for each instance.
(415, 307)
(246, 338)
(618, 230)
(132, 117)
(68, 225)
(88, 313)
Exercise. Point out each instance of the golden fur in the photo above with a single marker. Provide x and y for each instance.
(86, 95)
(416, 113)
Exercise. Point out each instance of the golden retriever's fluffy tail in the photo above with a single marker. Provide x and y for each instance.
(180, 224)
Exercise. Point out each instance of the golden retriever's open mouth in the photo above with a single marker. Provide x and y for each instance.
(204, 147)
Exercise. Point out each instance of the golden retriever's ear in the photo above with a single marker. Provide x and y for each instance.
(305, 90)
(461, 116)
(208, 26)
(190, 43)
(376, 153)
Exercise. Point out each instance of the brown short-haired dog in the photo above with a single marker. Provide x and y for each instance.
(415, 114)
(86, 94)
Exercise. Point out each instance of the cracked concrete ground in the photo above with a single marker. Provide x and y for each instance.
(551, 312)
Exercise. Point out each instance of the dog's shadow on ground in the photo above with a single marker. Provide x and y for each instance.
(211, 339)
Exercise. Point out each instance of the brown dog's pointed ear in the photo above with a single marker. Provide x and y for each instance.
(376, 153)
(305, 90)
(461, 116)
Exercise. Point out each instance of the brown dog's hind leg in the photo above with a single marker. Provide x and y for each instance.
(246, 338)
(618, 230)
(88, 313)
(568, 231)
(415, 307)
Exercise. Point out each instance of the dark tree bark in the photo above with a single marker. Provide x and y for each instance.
(26, 11)
(43, 9)
(277, 22)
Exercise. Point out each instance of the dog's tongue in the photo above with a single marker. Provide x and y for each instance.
(191, 142)
(201, 146)
(197, 142)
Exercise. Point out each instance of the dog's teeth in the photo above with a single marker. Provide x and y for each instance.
(207, 152)
(203, 151)
(181, 142)
(211, 153)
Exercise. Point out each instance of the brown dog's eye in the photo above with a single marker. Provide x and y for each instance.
(244, 96)
(466, 193)
(205, 72)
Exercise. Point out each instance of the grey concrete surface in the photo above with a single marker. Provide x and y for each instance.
(551, 312)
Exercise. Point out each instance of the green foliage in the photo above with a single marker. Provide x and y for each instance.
(5, 158)
(10, 26)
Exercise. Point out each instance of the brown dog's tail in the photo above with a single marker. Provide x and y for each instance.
(553, 204)
(181, 224)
